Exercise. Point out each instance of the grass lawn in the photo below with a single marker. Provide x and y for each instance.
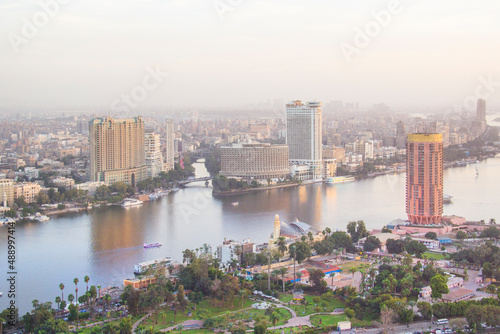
(348, 265)
(327, 320)
(434, 256)
(302, 310)
(215, 308)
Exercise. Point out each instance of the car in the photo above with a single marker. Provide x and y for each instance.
(448, 331)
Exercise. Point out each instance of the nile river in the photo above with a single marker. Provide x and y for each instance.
(106, 243)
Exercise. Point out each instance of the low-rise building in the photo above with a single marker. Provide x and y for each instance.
(90, 187)
(64, 182)
(28, 190)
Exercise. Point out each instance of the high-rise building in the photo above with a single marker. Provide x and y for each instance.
(304, 136)
(6, 192)
(152, 151)
(259, 162)
(169, 143)
(424, 178)
(481, 110)
(117, 150)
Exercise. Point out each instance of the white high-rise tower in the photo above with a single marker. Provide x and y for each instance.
(304, 135)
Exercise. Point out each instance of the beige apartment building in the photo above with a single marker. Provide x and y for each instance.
(117, 150)
(28, 190)
(255, 161)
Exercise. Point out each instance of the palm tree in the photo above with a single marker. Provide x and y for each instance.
(274, 316)
(282, 248)
(282, 271)
(310, 237)
(61, 286)
(76, 301)
(35, 303)
(58, 301)
(238, 250)
(99, 292)
(71, 298)
(243, 294)
(87, 279)
(352, 270)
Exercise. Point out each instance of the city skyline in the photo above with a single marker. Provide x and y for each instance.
(191, 54)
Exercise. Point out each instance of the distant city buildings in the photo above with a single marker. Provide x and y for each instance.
(424, 178)
(117, 150)
(304, 137)
(255, 161)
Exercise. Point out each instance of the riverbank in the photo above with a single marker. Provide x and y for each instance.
(250, 190)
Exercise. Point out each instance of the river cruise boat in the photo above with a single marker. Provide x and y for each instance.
(447, 199)
(340, 179)
(128, 202)
(153, 245)
(142, 267)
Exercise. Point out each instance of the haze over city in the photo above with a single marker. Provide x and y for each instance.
(221, 54)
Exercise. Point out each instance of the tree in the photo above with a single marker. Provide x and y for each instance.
(387, 318)
(371, 243)
(406, 315)
(439, 286)
(282, 248)
(431, 235)
(357, 230)
(316, 278)
(461, 235)
(487, 270)
(125, 326)
(274, 316)
(425, 309)
(58, 301)
(71, 298)
(61, 286)
(302, 251)
(491, 232)
(474, 315)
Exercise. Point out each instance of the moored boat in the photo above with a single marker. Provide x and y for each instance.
(128, 202)
(340, 179)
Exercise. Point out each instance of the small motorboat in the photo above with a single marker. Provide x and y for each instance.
(235, 203)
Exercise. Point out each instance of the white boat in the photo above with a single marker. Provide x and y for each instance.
(42, 218)
(1, 294)
(128, 202)
(152, 197)
(447, 199)
(477, 171)
(142, 267)
(235, 203)
(340, 179)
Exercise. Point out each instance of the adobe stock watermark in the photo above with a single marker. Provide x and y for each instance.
(484, 89)
(195, 207)
(39, 20)
(140, 92)
(224, 6)
(363, 37)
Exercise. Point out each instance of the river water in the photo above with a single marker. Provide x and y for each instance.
(106, 243)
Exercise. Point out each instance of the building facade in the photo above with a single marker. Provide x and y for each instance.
(169, 144)
(7, 191)
(255, 161)
(117, 150)
(153, 156)
(28, 190)
(424, 178)
(304, 136)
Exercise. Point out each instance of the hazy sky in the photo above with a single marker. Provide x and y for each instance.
(231, 52)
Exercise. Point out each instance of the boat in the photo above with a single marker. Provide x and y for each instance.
(477, 171)
(340, 179)
(1, 294)
(152, 197)
(42, 218)
(142, 267)
(128, 202)
(152, 245)
(235, 203)
(175, 189)
(447, 199)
